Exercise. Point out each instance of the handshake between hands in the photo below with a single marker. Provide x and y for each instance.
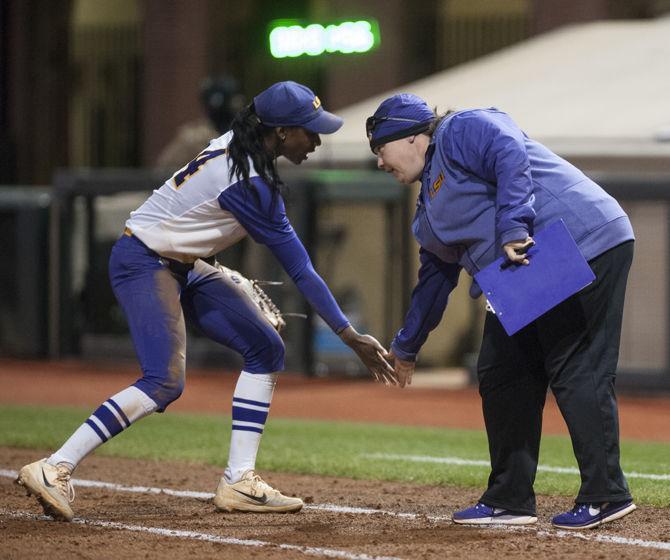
(383, 365)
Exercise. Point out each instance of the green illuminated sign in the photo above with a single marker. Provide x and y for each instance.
(288, 39)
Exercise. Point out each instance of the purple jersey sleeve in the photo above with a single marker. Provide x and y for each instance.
(436, 281)
(261, 214)
(266, 221)
(295, 260)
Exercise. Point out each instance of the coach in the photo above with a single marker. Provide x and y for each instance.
(485, 188)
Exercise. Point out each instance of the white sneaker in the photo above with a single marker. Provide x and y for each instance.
(51, 486)
(252, 493)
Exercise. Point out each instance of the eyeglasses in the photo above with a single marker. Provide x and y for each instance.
(372, 122)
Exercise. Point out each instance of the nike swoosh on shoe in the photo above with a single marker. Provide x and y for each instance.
(46, 482)
(258, 499)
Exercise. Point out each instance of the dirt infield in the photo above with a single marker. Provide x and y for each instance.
(320, 530)
(353, 520)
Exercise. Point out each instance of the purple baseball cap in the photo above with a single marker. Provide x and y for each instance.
(292, 104)
(399, 116)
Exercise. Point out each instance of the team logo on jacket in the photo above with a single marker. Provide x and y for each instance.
(436, 185)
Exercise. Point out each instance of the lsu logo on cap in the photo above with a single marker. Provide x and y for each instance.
(316, 103)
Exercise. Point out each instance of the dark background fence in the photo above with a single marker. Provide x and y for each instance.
(57, 301)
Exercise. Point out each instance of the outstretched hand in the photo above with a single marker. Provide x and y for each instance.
(372, 354)
(403, 369)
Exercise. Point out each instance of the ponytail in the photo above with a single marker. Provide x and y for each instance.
(248, 142)
(439, 117)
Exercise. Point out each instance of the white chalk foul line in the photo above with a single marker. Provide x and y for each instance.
(198, 536)
(608, 539)
(478, 463)
(590, 536)
(84, 483)
(365, 511)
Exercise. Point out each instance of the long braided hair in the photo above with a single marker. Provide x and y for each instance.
(248, 142)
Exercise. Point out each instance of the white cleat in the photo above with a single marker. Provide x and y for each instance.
(251, 493)
(51, 486)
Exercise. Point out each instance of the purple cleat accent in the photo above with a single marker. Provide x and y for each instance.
(587, 516)
(481, 514)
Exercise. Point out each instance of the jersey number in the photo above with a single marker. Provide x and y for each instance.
(194, 166)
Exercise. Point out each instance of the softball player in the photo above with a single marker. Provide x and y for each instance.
(485, 187)
(159, 277)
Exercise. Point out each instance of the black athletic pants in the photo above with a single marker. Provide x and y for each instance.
(573, 349)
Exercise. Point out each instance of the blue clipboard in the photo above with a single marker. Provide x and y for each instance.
(519, 294)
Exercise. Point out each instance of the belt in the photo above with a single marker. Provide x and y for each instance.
(209, 260)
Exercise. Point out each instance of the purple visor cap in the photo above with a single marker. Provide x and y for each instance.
(397, 117)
